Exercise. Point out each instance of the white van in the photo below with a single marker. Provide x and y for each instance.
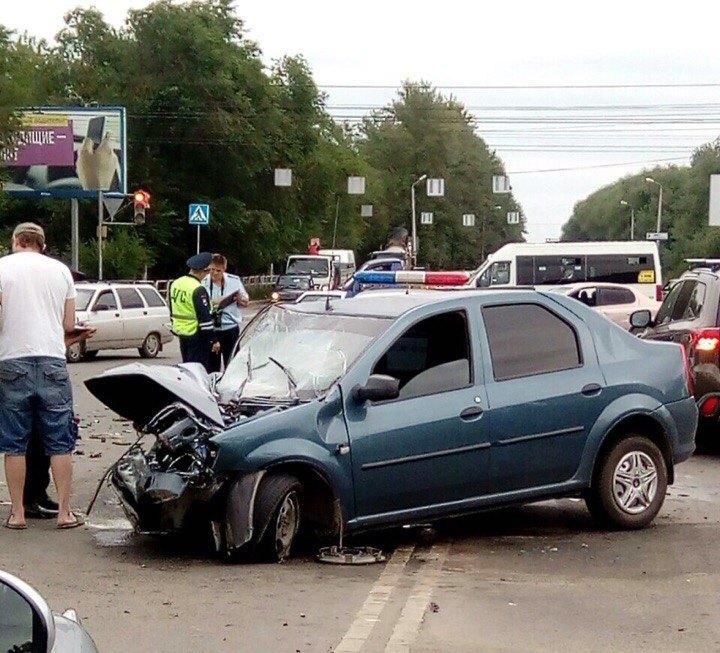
(346, 259)
(633, 263)
(320, 268)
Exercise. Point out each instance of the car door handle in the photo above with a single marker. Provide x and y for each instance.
(144, 312)
(591, 389)
(117, 314)
(471, 413)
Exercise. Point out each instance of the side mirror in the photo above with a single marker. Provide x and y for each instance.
(26, 622)
(641, 319)
(378, 387)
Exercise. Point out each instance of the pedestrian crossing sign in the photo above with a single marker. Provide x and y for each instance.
(199, 214)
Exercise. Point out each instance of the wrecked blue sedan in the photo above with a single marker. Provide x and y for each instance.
(398, 407)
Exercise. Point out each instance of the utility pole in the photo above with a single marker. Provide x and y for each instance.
(632, 218)
(74, 234)
(650, 180)
(414, 220)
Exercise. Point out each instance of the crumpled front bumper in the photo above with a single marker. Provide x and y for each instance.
(156, 502)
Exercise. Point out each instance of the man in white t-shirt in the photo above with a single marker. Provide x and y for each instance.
(37, 295)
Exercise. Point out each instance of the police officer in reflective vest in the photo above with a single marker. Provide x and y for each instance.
(190, 311)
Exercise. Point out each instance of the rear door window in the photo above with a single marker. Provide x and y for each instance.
(152, 298)
(129, 298)
(529, 339)
(614, 296)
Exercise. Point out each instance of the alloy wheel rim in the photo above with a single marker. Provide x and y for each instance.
(635, 482)
(286, 525)
(75, 351)
(151, 344)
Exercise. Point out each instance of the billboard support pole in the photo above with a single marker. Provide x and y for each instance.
(75, 233)
(100, 236)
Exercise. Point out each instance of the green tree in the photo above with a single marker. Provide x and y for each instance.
(423, 132)
(601, 216)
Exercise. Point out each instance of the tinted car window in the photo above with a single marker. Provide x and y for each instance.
(105, 301)
(151, 297)
(695, 302)
(432, 356)
(680, 308)
(559, 269)
(614, 296)
(528, 339)
(129, 298)
(666, 308)
(621, 268)
(524, 270)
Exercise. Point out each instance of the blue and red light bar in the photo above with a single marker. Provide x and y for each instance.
(420, 277)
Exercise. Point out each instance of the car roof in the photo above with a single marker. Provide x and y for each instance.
(394, 303)
(94, 285)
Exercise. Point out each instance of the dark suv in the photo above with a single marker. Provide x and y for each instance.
(690, 316)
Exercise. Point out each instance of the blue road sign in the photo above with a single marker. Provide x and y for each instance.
(199, 214)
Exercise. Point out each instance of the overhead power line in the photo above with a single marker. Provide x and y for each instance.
(523, 87)
(599, 165)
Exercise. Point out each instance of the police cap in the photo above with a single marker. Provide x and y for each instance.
(199, 261)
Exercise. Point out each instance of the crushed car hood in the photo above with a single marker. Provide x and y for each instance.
(138, 392)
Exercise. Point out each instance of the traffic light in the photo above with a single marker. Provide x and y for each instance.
(141, 202)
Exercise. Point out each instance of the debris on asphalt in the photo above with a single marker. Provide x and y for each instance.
(434, 607)
(96, 455)
(79, 452)
(362, 555)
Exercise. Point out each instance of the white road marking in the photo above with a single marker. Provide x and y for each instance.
(408, 625)
(369, 613)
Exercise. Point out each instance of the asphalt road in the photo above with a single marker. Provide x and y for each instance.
(535, 578)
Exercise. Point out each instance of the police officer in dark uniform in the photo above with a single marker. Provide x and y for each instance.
(192, 321)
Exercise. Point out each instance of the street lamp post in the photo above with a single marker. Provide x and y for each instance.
(632, 218)
(650, 180)
(414, 221)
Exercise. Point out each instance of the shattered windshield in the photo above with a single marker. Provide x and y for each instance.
(288, 354)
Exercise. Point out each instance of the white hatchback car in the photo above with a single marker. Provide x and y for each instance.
(616, 301)
(125, 315)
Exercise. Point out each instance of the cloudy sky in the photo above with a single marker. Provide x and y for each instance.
(558, 143)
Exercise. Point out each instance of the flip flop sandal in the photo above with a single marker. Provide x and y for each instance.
(14, 527)
(77, 521)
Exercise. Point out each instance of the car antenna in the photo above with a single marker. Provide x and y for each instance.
(407, 289)
(327, 303)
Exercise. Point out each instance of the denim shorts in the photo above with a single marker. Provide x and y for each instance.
(36, 397)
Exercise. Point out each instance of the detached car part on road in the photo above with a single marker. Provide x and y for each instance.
(399, 408)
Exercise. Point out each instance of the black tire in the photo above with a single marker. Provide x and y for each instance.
(151, 346)
(90, 355)
(75, 352)
(603, 500)
(270, 543)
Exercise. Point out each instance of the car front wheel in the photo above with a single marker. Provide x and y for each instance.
(151, 346)
(277, 517)
(629, 484)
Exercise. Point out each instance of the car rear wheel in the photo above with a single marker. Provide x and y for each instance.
(629, 484)
(90, 355)
(151, 347)
(277, 517)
